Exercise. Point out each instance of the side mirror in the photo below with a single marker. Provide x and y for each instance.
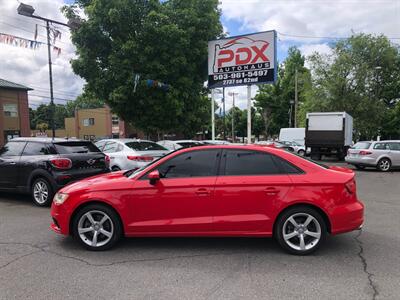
(153, 176)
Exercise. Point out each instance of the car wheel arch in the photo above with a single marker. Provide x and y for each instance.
(40, 174)
(323, 214)
(99, 202)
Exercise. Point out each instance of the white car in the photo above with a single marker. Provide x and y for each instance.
(297, 148)
(215, 142)
(127, 154)
(175, 145)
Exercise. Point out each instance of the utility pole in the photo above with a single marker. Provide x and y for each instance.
(249, 114)
(27, 11)
(295, 99)
(212, 116)
(223, 118)
(233, 114)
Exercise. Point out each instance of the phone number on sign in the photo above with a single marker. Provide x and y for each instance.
(237, 75)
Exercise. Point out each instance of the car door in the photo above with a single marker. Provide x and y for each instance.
(33, 154)
(182, 200)
(9, 164)
(249, 184)
(381, 150)
(395, 153)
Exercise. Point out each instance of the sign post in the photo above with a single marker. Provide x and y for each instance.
(243, 60)
(212, 115)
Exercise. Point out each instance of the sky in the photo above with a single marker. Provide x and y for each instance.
(311, 25)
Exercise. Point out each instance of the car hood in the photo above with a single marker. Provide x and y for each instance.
(108, 181)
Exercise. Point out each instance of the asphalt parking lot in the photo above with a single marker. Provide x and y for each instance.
(35, 263)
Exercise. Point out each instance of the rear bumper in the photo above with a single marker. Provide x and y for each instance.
(347, 218)
(361, 161)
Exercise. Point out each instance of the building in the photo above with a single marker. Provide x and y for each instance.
(14, 111)
(98, 123)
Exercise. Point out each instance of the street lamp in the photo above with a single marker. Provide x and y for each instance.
(27, 11)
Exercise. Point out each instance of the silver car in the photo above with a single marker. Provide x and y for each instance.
(383, 155)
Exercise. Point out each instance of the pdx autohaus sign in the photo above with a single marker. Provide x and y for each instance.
(242, 60)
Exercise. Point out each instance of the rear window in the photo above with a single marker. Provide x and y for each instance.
(76, 147)
(144, 146)
(362, 145)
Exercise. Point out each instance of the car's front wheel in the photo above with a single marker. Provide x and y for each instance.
(300, 230)
(42, 192)
(301, 152)
(97, 227)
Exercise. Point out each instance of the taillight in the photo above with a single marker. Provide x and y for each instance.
(351, 186)
(107, 160)
(140, 158)
(61, 163)
(363, 152)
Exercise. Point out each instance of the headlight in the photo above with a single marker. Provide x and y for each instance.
(59, 198)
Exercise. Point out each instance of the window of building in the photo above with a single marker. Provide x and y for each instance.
(10, 109)
(115, 121)
(88, 122)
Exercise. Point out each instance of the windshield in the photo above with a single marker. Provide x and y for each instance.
(361, 145)
(144, 146)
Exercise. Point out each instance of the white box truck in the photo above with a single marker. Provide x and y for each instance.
(329, 133)
(292, 135)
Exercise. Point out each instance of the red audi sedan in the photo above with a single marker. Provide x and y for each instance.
(217, 191)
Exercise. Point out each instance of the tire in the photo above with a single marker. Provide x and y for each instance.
(91, 218)
(42, 192)
(358, 167)
(291, 243)
(301, 152)
(115, 169)
(384, 165)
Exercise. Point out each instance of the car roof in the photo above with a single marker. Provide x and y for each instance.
(44, 139)
(383, 141)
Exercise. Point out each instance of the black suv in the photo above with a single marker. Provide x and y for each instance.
(41, 166)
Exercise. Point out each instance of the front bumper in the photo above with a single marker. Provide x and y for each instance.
(60, 219)
(348, 217)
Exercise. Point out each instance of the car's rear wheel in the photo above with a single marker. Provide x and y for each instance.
(384, 165)
(42, 192)
(301, 152)
(97, 227)
(300, 230)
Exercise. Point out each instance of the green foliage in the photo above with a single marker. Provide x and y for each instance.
(164, 41)
(273, 101)
(42, 115)
(361, 77)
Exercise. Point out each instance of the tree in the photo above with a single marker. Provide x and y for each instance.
(42, 116)
(273, 101)
(156, 40)
(362, 77)
(86, 100)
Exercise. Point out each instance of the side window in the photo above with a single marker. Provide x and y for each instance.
(394, 146)
(12, 149)
(381, 146)
(247, 162)
(35, 149)
(191, 164)
(110, 147)
(286, 166)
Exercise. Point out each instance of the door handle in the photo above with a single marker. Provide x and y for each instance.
(271, 191)
(202, 192)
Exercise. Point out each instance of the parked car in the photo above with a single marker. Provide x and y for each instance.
(41, 166)
(126, 154)
(274, 144)
(293, 135)
(222, 190)
(215, 142)
(175, 145)
(383, 155)
(297, 148)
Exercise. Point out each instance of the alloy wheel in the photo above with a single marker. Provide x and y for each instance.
(40, 192)
(384, 165)
(301, 232)
(95, 228)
